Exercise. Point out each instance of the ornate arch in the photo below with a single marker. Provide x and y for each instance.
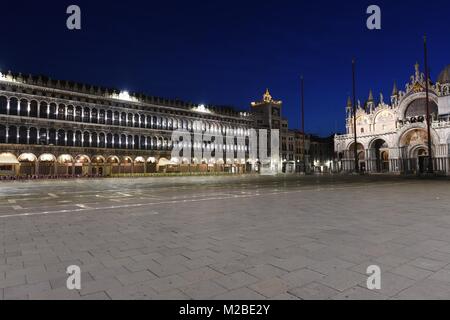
(404, 104)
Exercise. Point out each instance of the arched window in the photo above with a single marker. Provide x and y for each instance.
(24, 108)
(101, 117)
(123, 119)
(142, 121)
(3, 105)
(61, 138)
(155, 122)
(69, 141)
(116, 120)
(116, 141)
(78, 139)
(43, 112)
(42, 137)
(86, 139)
(109, 119)
(130, 120)
(149, 122)
(86, 115)
(109, 140)
(52, 109)
(2, 134)
(123, 141)
(94, 116)
(70, 113)
(94, 142)
(12, 134)
(142, 143)
(23, 135)
(33, 109)
(52, 136)
(62, 112)
(130, 142)
(149, 143)
(13, 106)
(136, 142)
(101, 140)
(136, 120)
(78, 114)
(33, 136)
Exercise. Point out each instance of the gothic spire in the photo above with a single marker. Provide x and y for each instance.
(395, 89)
(370, 96)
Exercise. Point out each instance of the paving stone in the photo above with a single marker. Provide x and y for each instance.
(314, 291)
(204, 290)
(240, 294)
(236, 280)
(342, 280)
(301, 277)
(270, 287)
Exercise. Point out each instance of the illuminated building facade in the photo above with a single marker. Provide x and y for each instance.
(60, 128)
(393, 137)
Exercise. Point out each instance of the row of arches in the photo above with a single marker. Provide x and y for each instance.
(46, 110)
(48, 164)
(78, 138)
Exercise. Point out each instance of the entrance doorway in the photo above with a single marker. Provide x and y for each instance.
(422, 156)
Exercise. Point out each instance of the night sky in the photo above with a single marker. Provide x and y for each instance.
(228, 52)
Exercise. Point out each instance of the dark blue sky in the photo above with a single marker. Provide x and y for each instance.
(228, 52)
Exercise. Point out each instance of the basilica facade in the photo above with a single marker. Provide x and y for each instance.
(392, 135)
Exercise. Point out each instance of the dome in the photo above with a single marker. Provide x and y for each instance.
(444, 76)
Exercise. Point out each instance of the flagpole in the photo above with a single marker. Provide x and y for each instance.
(303, 123)
(354, 116)
(427, 77)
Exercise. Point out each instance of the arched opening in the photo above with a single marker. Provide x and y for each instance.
(43, 110)
(414, 149)
(98, 163)
(46, 164)
(86, 115)
(82, 165)
(139, 165)
(23, 135)
(61, 138)
(13, 106)
(360, 151)
(94, 116)
(94, 140)
(2, 133)
(130, 120)
(33, 139)
(27, 164)
(113, 165)
(52, 137)
(381, 153)
(3, 105)
(52, 111)
(62, 112)
(101, 140)
(23, 108)
(33, 109)
(65, 164)
(12, 135)
(8, 164)
(86, 139)
(126, 165)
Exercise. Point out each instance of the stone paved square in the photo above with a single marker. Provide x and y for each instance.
(230, 237)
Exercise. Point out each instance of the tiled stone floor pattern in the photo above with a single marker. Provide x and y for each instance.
(226, 238)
